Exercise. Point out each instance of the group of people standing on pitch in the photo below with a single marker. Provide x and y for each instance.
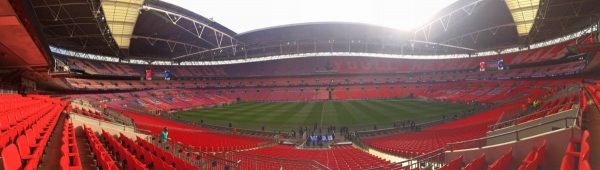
(320, 140)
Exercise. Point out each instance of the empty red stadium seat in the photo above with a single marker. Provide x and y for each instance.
(10, 158)
(477, 164)
(455, 164)
(534, 158)
(502, 163)
(580, 158)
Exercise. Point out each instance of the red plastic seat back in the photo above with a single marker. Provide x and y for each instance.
(11, 158)
(24, 149)
(584, 156)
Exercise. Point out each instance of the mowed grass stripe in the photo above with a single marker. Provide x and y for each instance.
(344, 116)
(397, 108)
(279, 120)
(362, 116)
(224, 116)
(405, 109)
(259, 114)
(299, 116)
(372, 112)
(285, 111)
(314, 115)
(415, 109)
(226, 111)
(389, 111)
(329, 115)
(255, 118)
(392, 113)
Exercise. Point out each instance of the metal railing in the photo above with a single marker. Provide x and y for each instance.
(436, 158)
(511, 122)
(481, 142)
(193, 156)
(430, 160)
(232, 159)
(254, 161)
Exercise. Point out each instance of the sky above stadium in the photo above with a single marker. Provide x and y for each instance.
(246, 15)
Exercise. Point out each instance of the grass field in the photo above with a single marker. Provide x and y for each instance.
(291, 115)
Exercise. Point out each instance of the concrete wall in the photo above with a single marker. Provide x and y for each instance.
(97, 126)
(555, 149)
(535, 130)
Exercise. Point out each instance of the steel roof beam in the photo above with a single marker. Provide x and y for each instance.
(198, 29)
(445, 19)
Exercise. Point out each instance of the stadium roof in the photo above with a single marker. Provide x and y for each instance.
(524, 13)
(120, 16)
(489, 24)
(168, 32)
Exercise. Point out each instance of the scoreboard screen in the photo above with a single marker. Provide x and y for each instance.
(491, 65)
(148, 74)
(167, 74)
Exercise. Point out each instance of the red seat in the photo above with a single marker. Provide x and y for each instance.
(477, 164)
(533, 158)
(25, 151)
(11, 158)
(455, 164)
(504, 162)
(581, 158)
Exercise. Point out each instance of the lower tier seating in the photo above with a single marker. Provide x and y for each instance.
(455, 164)
(477, 164)
(120, 153)
(160, 153)
(211, 141)
(502, 163)
(531, 161)
(28, 122)
(412, 144)
(577, 158)
(102, 156)
(338, 157)
(533, 158)
(70, 153)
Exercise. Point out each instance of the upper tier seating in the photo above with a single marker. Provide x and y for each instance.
(327, 80)
(165, 100)
(319, 65)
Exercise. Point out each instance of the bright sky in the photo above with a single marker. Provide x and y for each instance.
(246, 15)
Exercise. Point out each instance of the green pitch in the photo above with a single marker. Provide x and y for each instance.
(356, 114)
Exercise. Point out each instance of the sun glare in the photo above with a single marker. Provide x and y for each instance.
(243, 15)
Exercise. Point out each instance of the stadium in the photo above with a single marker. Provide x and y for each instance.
(159, 84)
